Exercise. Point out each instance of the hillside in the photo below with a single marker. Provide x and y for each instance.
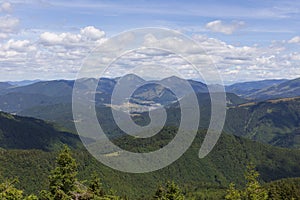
(288, 188)
(32, 144)
(245, 89)
(272, 122)
(62, 113)
(226, 163)
(16, 102)
(290, 88)
(28, 133)
(48, 88)
(276, 122)
(19, 99)
(4, 85)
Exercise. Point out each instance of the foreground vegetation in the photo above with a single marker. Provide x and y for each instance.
(64, 185)
(28, 148)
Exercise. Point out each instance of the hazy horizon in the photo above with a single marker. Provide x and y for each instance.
(147, 79)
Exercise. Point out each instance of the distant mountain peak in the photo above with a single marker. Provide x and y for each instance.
(130, 77)
(5, 85)
(23, 82)
(289, 88)
(173, 79)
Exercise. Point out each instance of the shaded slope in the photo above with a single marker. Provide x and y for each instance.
(28, 133)
(276, 122)
(245, 89)
(290, 88)
(226, 163)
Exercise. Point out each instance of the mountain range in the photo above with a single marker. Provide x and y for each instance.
(43, 93)
(272, 122)
(262, 125)
(15, 99)
(266, 89)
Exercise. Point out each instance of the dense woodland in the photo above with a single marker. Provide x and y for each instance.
(63, 184)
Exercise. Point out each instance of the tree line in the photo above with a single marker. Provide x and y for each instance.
(64, 185)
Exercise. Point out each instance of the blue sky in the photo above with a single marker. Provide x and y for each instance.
(264, 20)
(268, 29)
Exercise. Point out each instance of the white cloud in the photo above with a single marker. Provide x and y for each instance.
(54, 55)
(5, 7)
(62, 54)
(251, 62)
(220, 27)
(18, 45)
(295, 39)
(295, 56)
(3, 36)
(67, 39)
(50, 38)
(16, 52)
(8, 24)
(89, 36)
(92, 33)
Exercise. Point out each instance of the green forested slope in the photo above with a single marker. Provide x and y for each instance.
(276, 122)
(28, 133)
(226, 163)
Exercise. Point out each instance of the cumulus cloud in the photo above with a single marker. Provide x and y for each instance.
(242, 63)
(16, 50)
(235, 63)
(92, 33)
(5, 7)
(67, 39)
(220, 27)
(86, 36)
(8, 24)
(294, 56)
(295, 39)
(53, 55)
(18, 45)
(63, 53)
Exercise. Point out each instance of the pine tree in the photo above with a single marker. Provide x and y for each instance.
(253, 189)
(63, 178)
(9, 192)
(171, 192)
(95, 186)
(65, 186)
(233, 193)
(159, 193)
